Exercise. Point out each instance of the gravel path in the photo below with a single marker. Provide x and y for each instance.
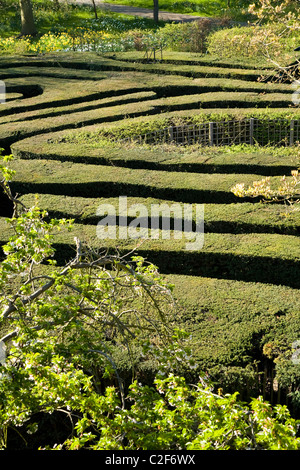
(134, 11)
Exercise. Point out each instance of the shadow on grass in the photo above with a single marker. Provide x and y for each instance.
(212, 265)
(110, 189)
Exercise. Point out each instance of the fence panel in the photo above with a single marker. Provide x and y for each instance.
(251, 131)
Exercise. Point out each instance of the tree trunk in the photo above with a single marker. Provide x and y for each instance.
(155, 10)
(27, 20)
(95, 9)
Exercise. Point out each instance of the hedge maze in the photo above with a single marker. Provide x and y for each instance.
(64, 122)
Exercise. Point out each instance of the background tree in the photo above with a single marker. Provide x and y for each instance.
(95, 9)
(282, 19)
(155, 10)
(28, 27)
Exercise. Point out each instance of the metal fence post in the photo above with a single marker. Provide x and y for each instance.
(251, 130)
(171, 134)
(292, 132)
(211, 133)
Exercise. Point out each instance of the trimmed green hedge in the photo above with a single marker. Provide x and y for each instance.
(104, 64)
(92, 147)
(230, 322)
(163, 91)
(241, 290)
(219, 218)
(267, 258)
(194, 58)
(71, 179)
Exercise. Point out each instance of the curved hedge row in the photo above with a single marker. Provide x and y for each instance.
(241, 290)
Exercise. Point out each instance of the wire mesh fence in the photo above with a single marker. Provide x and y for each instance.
(278, 132)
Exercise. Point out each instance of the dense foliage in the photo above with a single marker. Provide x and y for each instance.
(68, 27)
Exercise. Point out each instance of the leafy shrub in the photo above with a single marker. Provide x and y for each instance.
(252, 41)
(186, 7)
(174, 415)
(189, 37)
